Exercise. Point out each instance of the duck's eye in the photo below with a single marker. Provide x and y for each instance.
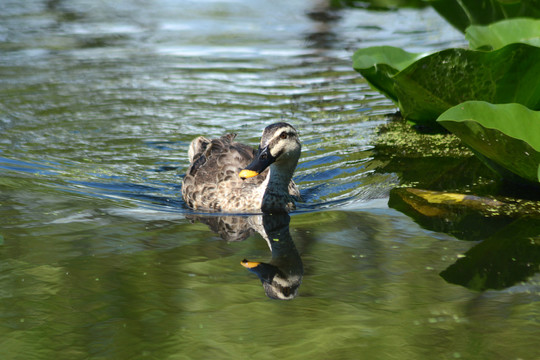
(283, 135)
(264, 156)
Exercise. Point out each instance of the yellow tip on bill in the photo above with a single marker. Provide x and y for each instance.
(249, 264)
(244, 174)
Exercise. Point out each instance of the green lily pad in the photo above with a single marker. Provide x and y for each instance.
(425, 86)
(502, 33)
(378, 65)
(505, 136)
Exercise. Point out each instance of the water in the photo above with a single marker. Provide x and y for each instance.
(101, 259)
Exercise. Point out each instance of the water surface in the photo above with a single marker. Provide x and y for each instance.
(101, 259)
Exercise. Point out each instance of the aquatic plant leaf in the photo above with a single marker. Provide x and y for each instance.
(378, 64)
(506, 137)
(425, 88)
(504, 32)
(463, 13)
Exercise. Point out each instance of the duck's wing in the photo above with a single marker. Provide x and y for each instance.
(213, 174)
(217, 155)
(294, 192)
(197, 147)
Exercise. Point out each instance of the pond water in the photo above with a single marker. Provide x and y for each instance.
(101, 259)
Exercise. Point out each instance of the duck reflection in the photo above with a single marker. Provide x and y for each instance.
(282, 275)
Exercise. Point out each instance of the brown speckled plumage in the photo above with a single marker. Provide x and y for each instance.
(212, 181)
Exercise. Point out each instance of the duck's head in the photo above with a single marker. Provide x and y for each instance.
(279, 145)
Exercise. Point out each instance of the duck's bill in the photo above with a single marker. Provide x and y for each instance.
(258, 165)
(245, 174)
(264, 271)
(250, 264)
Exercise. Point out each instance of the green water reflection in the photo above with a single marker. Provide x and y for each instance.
(177, 290)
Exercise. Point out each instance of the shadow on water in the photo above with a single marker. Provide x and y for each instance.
(282, 275)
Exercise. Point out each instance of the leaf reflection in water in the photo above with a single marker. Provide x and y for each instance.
(509, 250)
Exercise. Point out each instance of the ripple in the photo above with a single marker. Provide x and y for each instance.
(117, 118)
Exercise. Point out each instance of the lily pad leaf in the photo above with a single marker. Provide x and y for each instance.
(425, 88)
(505, 136)
(502, 33)
(378, 64)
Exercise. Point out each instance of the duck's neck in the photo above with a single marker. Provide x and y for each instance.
(280, 177)
(275, 194)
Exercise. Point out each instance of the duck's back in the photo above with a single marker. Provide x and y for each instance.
(212, 179)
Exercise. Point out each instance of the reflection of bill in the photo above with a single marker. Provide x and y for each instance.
(282, 275)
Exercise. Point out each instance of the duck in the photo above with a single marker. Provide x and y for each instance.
(227, 176)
